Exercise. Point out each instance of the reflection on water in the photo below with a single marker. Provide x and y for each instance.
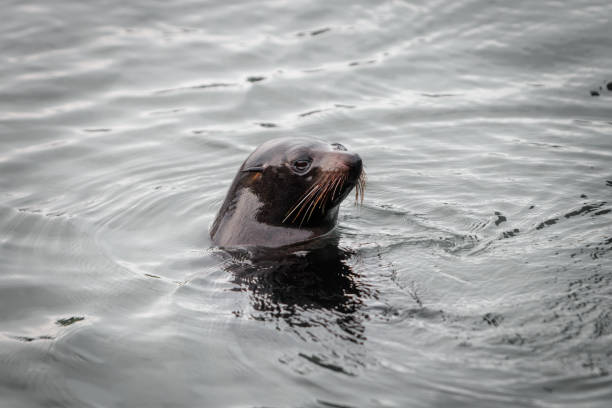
(305, 287)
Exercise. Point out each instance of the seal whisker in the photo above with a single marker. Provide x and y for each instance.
(306, 205)
(318, 199)
(328, 185)
(308, 193)
(360, 187)
(339, 181)
(363, 178)
(310, 209)
(323, 190)
(311, 203)
(330, 190)
(338, 177)
(334, 185)
(307, 197)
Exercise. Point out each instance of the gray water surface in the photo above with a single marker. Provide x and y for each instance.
(477, 272)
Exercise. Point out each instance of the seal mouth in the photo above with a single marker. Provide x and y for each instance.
(328, 191)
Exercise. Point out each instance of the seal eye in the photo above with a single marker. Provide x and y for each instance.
(301, 166)
(338, 146)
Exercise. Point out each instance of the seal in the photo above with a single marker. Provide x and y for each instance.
(287, 191)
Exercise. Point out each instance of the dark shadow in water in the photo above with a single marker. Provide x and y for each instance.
(305, 287)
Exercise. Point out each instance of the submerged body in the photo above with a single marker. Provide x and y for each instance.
(286, 192)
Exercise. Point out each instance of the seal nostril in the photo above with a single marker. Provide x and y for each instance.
(358, 162)
(358, 166)
(353, 161)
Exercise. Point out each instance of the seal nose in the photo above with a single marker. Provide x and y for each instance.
(347, 162)
(355, 165)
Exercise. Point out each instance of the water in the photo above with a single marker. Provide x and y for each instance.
(477, 272)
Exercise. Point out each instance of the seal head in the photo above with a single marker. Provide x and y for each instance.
(286, 192)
